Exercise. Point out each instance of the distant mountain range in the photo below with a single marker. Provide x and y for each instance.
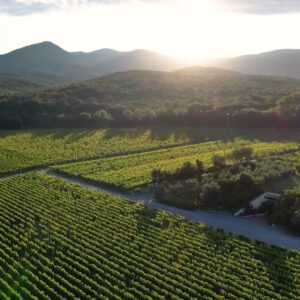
(48, 64)
(284, 62)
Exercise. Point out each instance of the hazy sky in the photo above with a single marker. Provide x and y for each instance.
(184, 28)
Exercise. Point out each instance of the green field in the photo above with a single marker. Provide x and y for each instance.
(20, 150)
(60, 241)
(131, 171)
(24, 149)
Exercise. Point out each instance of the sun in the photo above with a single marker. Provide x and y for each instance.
(185, 29)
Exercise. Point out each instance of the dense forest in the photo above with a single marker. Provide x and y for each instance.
(191, 96)
(13, 83)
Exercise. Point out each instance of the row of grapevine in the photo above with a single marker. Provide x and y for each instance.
(131, 171)
(21, 150)
(60, 241)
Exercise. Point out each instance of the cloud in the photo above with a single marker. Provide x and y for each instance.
(19, 8)
(28, 7)
(260, 7)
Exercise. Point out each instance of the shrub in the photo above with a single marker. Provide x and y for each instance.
(211, 194)
(241, 153)
(218, 161)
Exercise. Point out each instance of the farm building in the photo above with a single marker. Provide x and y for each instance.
(258, 201)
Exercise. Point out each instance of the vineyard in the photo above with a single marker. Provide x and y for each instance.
(21, 150)
(131, 171)
(27, 149)
(60, 241)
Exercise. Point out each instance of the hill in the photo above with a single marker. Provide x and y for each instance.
(284, 62)
(190, 96)
(58, 66)
(140, 60)
(46, 64)
(12, 83)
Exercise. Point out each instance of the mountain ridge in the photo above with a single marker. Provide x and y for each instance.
(280, 62)
(56, 66)
(47, 57)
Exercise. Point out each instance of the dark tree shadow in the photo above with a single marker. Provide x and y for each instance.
(190, 134)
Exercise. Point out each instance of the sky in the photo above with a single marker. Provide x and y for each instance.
(189, 29)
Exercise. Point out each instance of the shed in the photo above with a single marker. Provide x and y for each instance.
(257, 202)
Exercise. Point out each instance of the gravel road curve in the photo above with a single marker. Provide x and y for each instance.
(230, 223)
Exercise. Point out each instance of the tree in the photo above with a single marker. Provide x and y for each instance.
(103, 117)
(199, 167)
(85, 117)
(242, 153)
(128, 114)
(157, 175)
(218, 161)
(289, 106)
(246, 189)
(295, 223)
(211, 194)
(186, 170)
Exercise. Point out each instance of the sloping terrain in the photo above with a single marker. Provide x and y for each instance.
(191, 96)
(13, 83)
(60, 241)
